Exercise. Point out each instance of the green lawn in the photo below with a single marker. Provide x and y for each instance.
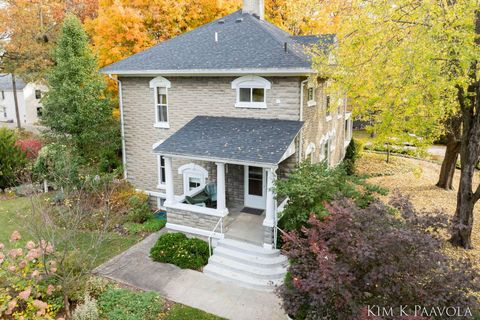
(181, 312)
(9, 221)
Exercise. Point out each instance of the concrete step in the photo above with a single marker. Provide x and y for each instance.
(248, 248)
(240, 278)
(269, 273)
(250, 258)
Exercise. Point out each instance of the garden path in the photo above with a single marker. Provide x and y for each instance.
(134, 267)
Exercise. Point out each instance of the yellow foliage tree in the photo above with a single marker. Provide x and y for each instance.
(305, 17)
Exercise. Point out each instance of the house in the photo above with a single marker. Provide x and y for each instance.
(230, 104)
(28, 97)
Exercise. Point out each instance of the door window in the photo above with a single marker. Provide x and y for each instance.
(255, 181)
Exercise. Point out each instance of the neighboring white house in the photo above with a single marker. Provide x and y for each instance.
(28, 96)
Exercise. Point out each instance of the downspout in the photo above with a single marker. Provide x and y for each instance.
(302, 84)
(122, 128)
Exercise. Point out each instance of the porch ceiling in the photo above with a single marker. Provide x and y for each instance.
(241, 140)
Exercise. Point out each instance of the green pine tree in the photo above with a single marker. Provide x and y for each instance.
(76, 109)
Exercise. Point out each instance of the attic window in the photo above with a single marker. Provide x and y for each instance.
(251, 92)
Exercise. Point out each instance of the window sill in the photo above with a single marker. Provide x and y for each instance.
(328, 118)
(162, 186)
(251, 105)
(311, 103)
(163, 125)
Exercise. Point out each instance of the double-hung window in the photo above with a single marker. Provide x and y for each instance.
(160, 88)
(162, 105)
(38, 94)
(311, 96)
(251, 92)
(327, 108)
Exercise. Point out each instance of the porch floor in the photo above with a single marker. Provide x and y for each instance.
(244, 226)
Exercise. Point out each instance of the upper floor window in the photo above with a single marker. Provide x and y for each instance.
(327, 107)
(38, 94)
(160, 87)
(311, 96)
(251, 92)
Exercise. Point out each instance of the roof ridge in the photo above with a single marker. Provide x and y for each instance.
(265, 25)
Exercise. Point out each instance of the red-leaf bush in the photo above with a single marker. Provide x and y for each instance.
(356, 258)
(30, 147)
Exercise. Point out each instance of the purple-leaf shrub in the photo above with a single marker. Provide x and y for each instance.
(356, 258)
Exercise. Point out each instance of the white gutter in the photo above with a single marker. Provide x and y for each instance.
(301, 118)
(122, 128)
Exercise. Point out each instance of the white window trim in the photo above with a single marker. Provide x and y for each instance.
(160, 185)
(309, 151)
(155, 83)
(252, 82)
(192, 170)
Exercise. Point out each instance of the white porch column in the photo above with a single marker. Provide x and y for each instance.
(221, 198)
(170, 192)
(270, 205)
(269, 222)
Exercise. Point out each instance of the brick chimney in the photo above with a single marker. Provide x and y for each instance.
(255, 8)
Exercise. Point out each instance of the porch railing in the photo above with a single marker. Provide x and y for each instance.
(219, 223)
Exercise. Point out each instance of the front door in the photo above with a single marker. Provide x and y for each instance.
(255, 187)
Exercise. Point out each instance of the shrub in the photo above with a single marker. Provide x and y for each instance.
(139, 210)
(87, 310)
(25, 276)
(149, 226)
(352, 154)
(360, 257)
(95, 286)
(12, 158)
(121, 304)
(311, 185)
(177, 249)
(30, 147)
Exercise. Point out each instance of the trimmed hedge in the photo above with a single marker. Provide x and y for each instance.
(177, 249)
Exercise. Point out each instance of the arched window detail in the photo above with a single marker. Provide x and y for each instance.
(251, 91)
(194, 177)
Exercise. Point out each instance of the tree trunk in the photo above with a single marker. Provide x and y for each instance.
(453, 129)
(15, 99)
(462, 222)
(447, 171)
(66, 305)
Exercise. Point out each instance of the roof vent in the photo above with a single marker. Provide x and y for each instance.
(239, 20)
(221, 21)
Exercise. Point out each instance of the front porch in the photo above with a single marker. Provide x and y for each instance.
(228, 187)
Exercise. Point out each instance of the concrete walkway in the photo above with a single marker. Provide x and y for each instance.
(134, 267)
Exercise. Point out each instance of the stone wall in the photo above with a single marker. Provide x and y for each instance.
(317, 124)
(187, 98)
(191, 219)
(234, 180)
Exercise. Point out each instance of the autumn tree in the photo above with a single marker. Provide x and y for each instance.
(123, 28)
(305, 17)
(411, 67)
(76, 110)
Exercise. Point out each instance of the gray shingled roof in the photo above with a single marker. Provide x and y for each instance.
(244, 42)
(246, 140)
(6, 82)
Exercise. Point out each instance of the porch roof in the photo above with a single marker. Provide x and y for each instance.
(242, 140)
